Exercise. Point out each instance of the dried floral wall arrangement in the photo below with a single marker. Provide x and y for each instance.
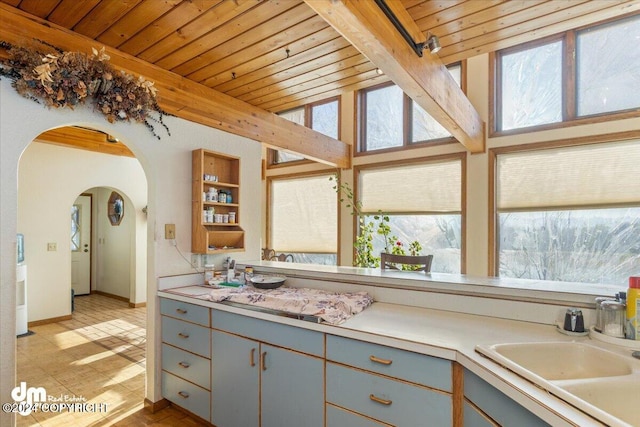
(67, 79)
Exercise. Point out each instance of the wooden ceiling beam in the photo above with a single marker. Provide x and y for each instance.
(184, 98)
(424, 79)
(84, 139)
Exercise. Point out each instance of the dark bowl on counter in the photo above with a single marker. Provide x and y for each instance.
(267, 282)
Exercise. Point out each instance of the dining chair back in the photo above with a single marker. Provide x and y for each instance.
(391, 261)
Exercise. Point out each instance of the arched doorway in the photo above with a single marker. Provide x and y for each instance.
(51, 177)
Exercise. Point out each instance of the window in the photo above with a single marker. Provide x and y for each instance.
(304, 218)
(569, 213)
(75, 227)
(577, 75)
(423, 201)
(390, 119)
(323, 117)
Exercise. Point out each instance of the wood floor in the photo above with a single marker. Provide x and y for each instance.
(97, 359)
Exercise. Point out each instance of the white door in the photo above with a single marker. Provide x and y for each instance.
(81, 245)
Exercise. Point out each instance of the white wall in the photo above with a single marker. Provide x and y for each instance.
(50, 179)
(116, 245)
(167, 166)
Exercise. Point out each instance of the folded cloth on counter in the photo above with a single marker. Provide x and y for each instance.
(332, 307)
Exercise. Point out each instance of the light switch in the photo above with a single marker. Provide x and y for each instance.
(52, 247)
(169, 231)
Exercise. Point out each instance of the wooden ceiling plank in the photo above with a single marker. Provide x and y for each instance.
(171, 22)
(423, 8)
(360, 83)
(103, 16)
(313, 66)
(144, 14)
(69, 12)
(278, 43)
(566, 19)
(39, 8)
(13, 3)
(243, 42)
(453, 14)
(180, 36)
(499, 15)
(425, 80)
(176, 94)
(307, 49)
(238, 25)
(325, 91)
(336, 71)
(509, 23)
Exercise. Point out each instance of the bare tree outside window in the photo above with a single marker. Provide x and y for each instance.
(588, 246)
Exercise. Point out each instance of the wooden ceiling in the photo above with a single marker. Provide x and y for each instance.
(279, 54)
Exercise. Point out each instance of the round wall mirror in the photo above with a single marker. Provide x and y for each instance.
(115, 208)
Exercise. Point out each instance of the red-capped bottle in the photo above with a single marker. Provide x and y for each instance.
(633, 309)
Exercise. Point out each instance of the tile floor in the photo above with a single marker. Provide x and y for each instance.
(99, 355)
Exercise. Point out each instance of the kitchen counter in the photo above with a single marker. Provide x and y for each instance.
(446, 334)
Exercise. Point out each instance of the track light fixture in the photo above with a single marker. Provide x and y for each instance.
(433, 43)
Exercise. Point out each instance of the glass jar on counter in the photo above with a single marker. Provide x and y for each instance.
(613, 318)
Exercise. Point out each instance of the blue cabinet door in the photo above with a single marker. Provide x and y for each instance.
(292, 389)
(235, 381)
(496, 404)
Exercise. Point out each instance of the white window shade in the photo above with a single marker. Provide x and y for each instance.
(304, 215)
(589, 175)
(425, 187)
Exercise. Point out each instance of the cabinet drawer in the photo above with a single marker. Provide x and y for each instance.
(398, 403)
(187, 365)
(303, 340)
(418, 368)
(184, 311)
(189, 396)
(187, 336)
(338, 417)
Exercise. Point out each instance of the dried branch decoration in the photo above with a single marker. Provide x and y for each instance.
(66, 79)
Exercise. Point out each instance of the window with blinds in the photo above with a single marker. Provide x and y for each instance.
(570, 213)
(423, 202)
(304, 218)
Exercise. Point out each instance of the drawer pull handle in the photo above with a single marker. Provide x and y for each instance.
(380, 361)
(262, 361)
(184, 364)
(183, 335)
(252, 353)
(183, 394)
(379, 400)
(181, 310)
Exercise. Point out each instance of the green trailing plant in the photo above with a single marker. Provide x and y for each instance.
(378, 224)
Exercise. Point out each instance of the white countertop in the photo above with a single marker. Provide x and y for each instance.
(448, 335)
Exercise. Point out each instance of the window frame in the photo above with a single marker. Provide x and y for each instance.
(360, 148)
(569, 84)
(269, 211)
(461, 156)
(493, 259)
(272, 154)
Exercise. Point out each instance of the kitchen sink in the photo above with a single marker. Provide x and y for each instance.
(563, 360)
(598, 381)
